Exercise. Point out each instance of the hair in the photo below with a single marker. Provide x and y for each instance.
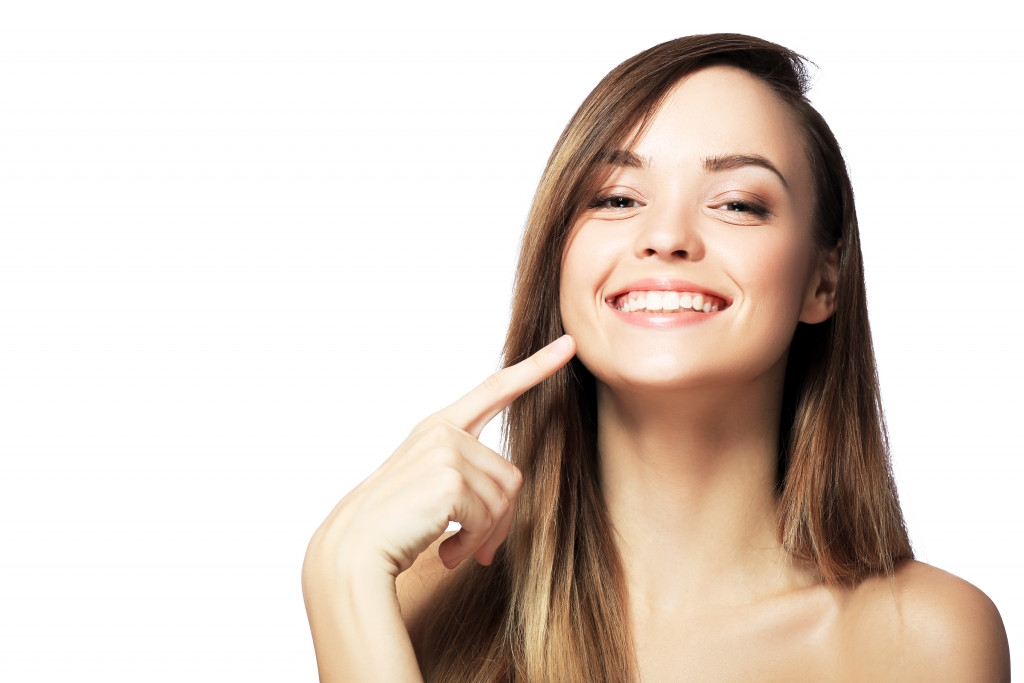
(553, 604)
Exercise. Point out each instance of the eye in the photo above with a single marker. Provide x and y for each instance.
(614, 201)
(744, 207)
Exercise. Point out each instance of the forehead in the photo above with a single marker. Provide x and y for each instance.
(725, 110)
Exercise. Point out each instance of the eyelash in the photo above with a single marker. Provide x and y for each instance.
(742, 207)
(755, 209)
(598, 201)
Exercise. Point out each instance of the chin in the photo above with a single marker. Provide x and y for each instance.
(654, 377)
(670, 373)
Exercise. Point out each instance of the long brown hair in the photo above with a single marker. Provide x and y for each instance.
(553, 605)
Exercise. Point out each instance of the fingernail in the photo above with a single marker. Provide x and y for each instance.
(562, 344)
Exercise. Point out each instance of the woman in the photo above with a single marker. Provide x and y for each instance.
(700, 484)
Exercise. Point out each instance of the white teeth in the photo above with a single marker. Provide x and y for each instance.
(654, 301)
(670, 301)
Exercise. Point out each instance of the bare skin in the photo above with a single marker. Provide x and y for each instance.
(440, 473)
(922, 624)
(688, 416)
(687, 442)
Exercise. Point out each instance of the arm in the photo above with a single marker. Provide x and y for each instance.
(440, 473)
(356, 622)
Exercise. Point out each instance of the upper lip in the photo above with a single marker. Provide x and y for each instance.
(667, 284)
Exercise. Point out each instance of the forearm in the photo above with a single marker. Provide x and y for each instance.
(357, 626)
(439, 474)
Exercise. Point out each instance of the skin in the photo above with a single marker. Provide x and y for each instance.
(360, 614)
(688, 416)
(687, 434)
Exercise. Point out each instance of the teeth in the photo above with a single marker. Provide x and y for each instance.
(656, 301)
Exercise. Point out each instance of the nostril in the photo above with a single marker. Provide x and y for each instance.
(677, 253)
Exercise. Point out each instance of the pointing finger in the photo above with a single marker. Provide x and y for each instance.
(479, 406)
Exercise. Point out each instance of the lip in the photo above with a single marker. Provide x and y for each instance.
(663, 284)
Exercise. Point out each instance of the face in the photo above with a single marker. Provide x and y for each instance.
(710, 210)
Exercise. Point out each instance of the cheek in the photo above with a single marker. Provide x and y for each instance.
(573, 290)
(780, 280)
(585, 266)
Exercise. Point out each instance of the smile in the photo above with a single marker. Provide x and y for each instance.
(666, 302)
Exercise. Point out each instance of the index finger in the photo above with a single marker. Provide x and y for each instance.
(478, 407)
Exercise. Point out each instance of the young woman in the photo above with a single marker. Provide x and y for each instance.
(699, 485)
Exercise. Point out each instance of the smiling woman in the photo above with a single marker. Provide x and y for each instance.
(722, 231)
(699, 483)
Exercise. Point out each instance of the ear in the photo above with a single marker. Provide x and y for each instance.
(820, 301)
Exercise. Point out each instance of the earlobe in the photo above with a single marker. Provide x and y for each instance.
(820, 303)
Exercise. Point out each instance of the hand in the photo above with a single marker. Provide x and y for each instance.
(439, 474)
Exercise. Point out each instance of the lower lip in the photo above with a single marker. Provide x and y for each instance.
(663, 319)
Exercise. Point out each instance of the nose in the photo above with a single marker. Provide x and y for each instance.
(670, 232)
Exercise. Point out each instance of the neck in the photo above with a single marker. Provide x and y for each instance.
(689, 482)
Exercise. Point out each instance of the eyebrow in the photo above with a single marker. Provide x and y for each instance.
(712, 164)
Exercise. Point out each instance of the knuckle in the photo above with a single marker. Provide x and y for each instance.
(494, 384)
(503, 505)
(436, 433)
(447, 457)
(451, 483)
(515, 478)
(426, 423)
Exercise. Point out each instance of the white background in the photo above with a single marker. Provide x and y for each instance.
(247, 245)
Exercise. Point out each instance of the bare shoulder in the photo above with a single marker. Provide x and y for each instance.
(923, 623)
(418, 584)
